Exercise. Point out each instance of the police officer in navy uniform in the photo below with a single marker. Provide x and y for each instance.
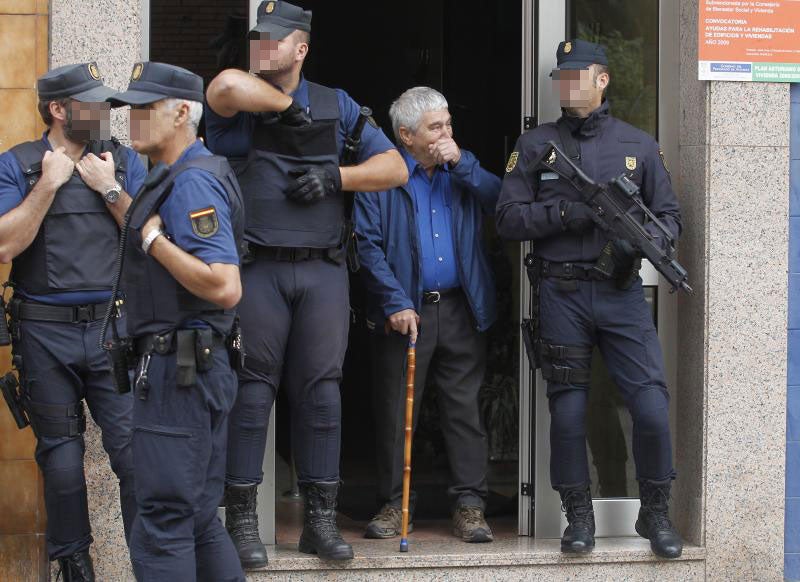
(294, 310)
(181, 277)
(580, 307)
(61, 199)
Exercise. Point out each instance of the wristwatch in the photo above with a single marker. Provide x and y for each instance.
(152, 236)
(113, 193)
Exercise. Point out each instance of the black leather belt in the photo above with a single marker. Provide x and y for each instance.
(581, 272)
(61, 313)
(287, 254)
(431, 297)
(164, 343)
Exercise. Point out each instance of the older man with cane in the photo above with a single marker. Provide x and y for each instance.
(423, 263)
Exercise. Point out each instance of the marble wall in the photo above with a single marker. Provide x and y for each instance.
(110, 33)
(732, 385)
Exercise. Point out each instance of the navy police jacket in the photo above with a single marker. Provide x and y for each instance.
(529, 203)
(389, 247)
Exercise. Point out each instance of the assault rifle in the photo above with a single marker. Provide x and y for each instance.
(613, 203)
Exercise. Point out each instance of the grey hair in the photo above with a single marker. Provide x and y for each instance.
(195, 111)
(408, 109)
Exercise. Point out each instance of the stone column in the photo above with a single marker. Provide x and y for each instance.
(110, 33)
(732, 380)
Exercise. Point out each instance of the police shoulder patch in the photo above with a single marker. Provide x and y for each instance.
(512, 162)
(204, 222)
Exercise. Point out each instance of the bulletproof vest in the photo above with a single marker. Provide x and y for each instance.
(154, 300)
(278, 150)
(73, 250)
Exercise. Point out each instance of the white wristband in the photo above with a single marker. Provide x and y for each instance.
(154, 234)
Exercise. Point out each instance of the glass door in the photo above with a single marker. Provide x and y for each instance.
(631, 32)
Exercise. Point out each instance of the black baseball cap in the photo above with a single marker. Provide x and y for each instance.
(151, 82)
(278, 19)
(580, 54)
(81, 82)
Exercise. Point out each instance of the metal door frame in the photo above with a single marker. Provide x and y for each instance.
(544, 26)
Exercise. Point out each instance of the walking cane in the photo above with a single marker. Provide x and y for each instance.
(410, 369)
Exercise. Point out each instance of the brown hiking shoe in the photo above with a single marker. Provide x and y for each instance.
(387, 524)
(470, 525)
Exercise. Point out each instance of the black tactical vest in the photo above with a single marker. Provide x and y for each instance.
(73, 250)
(154, 300)
(272, 219)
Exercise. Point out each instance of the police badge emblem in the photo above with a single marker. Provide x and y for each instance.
(94, 71)
(567, 48)
(137, 71)
(630, 163)
(512, 162)
(204, 222)
(270, 8)
(551, 159)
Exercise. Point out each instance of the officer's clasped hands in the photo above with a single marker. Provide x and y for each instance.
(57, 167)
(314, 183)
(97, 172)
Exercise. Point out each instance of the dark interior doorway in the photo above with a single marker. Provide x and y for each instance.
(471, 51)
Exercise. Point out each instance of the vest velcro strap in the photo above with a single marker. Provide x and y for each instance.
(56, 420)
(556, 352)
(74, 409)
(565, 375)
(43, 427)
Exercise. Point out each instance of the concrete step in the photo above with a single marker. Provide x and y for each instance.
(509, 558)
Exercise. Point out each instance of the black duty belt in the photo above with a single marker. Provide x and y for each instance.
(62, 313)
(579, 271)
(288, 254)
(431, 297)
(165, 343)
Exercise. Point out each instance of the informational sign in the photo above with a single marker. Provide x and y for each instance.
(749, 40)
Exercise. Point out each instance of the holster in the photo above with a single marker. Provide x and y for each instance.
(10, 388)
(351, 248)
(627, 277)
(235, 346)
(185, 348)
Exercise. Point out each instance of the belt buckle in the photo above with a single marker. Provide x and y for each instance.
(434, 296)
(83, 314)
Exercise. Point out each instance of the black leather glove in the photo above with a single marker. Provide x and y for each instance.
(314, 183)
(577, 217)
(624, 252)
(294, 116)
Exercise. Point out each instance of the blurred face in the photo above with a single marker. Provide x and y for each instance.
(87, 121)
(271, 57)
(154, 125)
(580, 89)
(433, 126)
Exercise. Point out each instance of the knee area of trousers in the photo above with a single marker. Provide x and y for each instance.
(651, 411)
(65, 481)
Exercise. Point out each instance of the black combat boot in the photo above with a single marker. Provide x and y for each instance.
(77, 567)
(654, 523)
(320, 535)
(241, 521)
(576, 502)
